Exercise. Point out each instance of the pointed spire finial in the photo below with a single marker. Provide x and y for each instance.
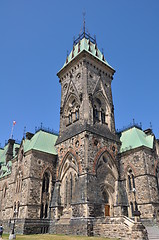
(24, 132)
(84, 23)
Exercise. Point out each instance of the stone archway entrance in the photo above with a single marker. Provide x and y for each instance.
(107, 177)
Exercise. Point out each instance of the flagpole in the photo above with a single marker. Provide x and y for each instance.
(11, 135)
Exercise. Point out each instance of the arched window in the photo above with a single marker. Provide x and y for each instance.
(131, 180)
(19, 180)
(45, 195)
(71, 110)
(99, 109)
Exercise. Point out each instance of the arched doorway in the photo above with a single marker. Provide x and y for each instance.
(107, 177)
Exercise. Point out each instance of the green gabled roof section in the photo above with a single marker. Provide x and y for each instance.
(3, 154)
(134, 138)
(4, 151)
(88, 44)
(41, 141)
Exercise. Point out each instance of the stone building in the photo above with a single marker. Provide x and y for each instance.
(90, 179)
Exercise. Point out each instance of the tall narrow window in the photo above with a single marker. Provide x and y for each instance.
(129, 181)
(46, 209)
(133, 180)
(43, 186)
(95, 114)
(77, 114)
(132, 208)
(66, 191)
(157, 178)
(47, 183)
(136, 207)
(18, 208)
(70, 188)
(70, 118)
(41, 210)
(103, 116)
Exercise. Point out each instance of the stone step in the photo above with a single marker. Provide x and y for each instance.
(153, 232)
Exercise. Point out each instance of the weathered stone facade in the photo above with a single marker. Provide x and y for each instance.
(97, 180)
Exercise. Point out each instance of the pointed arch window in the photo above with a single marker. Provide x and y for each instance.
(72, 110)
(45, 194)
(19, 180)
(131, 180)
(99, 110)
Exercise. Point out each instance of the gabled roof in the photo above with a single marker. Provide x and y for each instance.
(42, 141)
(88, 44)
(134, 138)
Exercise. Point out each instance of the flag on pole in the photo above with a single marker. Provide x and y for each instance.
(11, 135)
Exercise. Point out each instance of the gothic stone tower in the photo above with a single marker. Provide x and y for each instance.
(87, 171)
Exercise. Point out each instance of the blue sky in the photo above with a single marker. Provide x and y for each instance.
(34, 38)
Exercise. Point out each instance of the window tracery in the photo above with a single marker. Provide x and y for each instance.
(72, 110)
(130, 180)
(19, 180)
(68, 176)
(46, 194)
(99, 109)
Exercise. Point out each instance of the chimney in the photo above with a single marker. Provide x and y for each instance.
(148, 131)
(16, 150)
(29, 135)
(9, 153)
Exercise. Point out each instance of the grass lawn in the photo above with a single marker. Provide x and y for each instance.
(53, 237)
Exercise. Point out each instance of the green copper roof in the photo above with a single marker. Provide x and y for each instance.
(90, 47)
(133, 138)
(42, 141)
(4, 151)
